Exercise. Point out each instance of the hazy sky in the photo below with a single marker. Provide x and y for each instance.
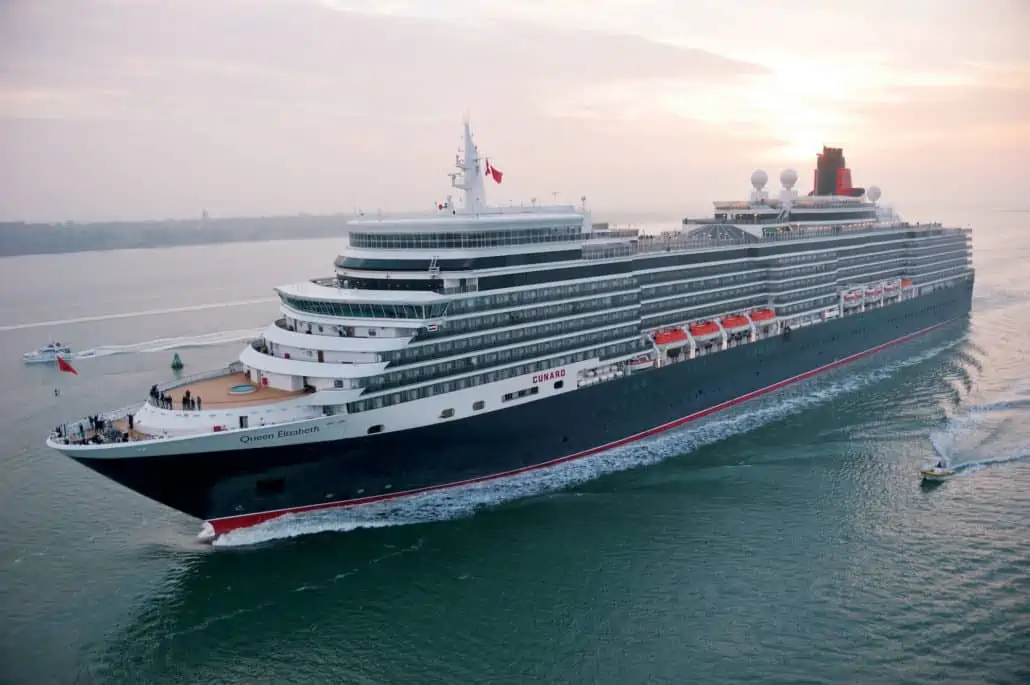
(160, 108)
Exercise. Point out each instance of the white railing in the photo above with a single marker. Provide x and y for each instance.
(71, 429)
(235, 367)
(614, 232)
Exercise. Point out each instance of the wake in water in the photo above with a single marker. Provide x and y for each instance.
(166, 344)
(982, 429)
(133, 315)
(971, 466)
(466, 500)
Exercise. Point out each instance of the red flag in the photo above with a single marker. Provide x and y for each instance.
(494, 172)
(65, 366)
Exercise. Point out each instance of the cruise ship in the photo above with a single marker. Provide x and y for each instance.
(477, 342)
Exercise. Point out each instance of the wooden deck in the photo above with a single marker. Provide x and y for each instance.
(214, 393)
(134, 435)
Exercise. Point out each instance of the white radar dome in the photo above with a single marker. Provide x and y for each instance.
(788, 177)
(758, 179)
(873, 193)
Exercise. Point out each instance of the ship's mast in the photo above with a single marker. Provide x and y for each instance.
(470, 178)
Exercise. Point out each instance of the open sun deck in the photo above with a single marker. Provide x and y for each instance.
(228, 391)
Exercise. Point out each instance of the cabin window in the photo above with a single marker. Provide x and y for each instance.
(338, 383)
(446, 413)
(378, 428)
(558, 385)
(478, 404)
(521, 393)
(270, 486)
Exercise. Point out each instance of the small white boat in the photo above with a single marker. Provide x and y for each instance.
(47, 354)
(939, 471)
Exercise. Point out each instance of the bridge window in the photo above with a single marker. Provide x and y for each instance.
(470, 239)
(358, 309)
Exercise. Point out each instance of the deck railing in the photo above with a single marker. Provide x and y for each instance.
(71, 429)
(235, 367)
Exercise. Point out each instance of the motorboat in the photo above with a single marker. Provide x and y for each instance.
(47, 354)
(936, 472)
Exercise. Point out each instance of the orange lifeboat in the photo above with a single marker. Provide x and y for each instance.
(906, 283)
(735, 321)
(699, 330)
(670, 337)
(763, 315)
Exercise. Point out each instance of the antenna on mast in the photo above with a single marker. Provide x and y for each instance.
(471, 179)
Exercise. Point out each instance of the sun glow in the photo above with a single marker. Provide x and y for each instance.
(797, 107)
(803, 146)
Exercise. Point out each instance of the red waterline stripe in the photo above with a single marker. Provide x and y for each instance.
(224, 525)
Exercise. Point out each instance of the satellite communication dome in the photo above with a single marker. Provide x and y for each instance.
(788, 177)
(873, 193)
(758, 179)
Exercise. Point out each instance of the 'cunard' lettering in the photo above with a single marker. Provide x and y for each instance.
(549, 376)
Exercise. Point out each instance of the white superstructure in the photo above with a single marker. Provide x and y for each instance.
(333, 352)
(478, 342)
(473, 309)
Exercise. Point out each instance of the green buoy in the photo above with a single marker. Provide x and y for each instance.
(176, 362)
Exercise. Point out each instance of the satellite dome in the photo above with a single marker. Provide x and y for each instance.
(759, 178)
(873, 193)
(788, 177)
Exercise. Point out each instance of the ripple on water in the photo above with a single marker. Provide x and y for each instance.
(786, 541)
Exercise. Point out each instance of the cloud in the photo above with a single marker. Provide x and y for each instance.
(981, 105)
(257, 106)
(161, 107)
(171, 58)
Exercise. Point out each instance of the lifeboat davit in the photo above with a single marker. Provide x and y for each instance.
(853, 297)
(872, 292)
(670, 337)
(763, 315)
(735, 321)
(700, 330)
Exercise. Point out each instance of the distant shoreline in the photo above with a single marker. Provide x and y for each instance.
(19, 239)
(22, 238)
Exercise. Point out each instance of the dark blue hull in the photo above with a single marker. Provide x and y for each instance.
(245, 487)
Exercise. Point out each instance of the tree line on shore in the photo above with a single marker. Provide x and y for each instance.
(23, 238)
